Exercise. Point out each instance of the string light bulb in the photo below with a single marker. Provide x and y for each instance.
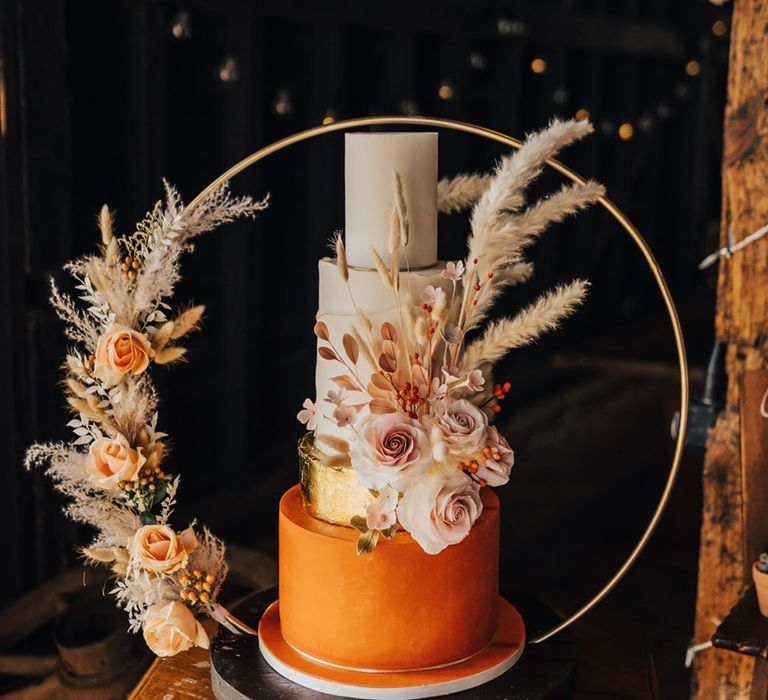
(538, 65)
(446, 91)
(328, 118)
(719, 28)
(582, 114)
(626, 131)
(692, 68)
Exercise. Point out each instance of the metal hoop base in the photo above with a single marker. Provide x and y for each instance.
(612, 209)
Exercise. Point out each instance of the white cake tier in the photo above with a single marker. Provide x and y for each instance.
(369, 163)
(338, 313)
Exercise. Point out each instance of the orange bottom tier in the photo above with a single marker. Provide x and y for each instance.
(397, 608)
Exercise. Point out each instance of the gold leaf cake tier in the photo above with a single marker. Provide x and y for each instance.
(331, 492)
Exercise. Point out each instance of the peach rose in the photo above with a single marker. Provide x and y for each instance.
(462, 424)
(438, 512)
(158, 548)
(111, 461)
(171, 628)
(391, 449)
(119, 351)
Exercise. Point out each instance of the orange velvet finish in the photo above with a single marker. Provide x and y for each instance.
(397, 608)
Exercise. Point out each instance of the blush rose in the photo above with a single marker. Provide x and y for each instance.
(462, 424)
(119, 351)
(171, 628)
(498, 464)
(390, 450)
(440, 511)
(110, 461)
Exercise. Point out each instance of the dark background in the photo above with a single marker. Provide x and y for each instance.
(100, 100)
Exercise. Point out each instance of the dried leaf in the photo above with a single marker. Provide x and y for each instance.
(321, 331)
(170, 354)
(381, 406)
(392, 349)
(327, 353)
(345, 382)
(367, 542)
(387, 362)
(388, 332)
(381, 382)
(389, 533)
(351, 348)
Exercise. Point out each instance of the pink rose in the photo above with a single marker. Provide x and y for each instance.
(498, 460)
(390, 449)
(380, 515)
(119, 351)
(462, 424)
(171, 628)
(111, 461)
(440, 511)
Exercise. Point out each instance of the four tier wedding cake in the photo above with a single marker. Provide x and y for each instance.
(389, 545)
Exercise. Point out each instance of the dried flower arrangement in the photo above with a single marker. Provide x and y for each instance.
(418, 422)
(113, 470)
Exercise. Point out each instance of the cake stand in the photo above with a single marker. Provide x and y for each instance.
(240, 672)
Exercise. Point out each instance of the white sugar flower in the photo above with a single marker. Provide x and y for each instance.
(451, 334)
(380, 515)
(451, 375)
(475, 380)
(431, 295)
(437, 390)
(308, 415)
(345, 415)
(453, 271)
(337, 397)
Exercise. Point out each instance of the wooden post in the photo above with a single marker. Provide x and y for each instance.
(742, 322)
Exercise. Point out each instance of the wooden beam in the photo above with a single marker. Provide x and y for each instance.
(742, 322)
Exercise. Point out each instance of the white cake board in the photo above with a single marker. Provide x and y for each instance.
(501, 654)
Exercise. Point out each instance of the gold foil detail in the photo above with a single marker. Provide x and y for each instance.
(333, 493)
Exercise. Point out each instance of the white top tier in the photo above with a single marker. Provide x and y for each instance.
(370, 160)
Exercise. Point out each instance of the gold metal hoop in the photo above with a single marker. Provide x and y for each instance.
(612, 209)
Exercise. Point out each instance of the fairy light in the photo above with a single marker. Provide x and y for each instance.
(626, 131)
(719, 28)
(692, 68)
(582, 114)
(445, 91)
(538, 65)
(328, 119)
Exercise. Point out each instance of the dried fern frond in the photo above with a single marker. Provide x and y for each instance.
(105, 225)
(514, 174)
(187, 321)
(457, 193)
(505, 244)
(503, 335)
(169, 354)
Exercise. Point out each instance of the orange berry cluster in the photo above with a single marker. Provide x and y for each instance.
(409, 398)
(470, 467)
(197, 587)
(128, 266)
(500, 391)
(147, 478)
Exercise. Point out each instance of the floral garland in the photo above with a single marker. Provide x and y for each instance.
(414, 397)
(113, 470)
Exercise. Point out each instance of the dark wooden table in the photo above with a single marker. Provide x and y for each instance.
(544, 671)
